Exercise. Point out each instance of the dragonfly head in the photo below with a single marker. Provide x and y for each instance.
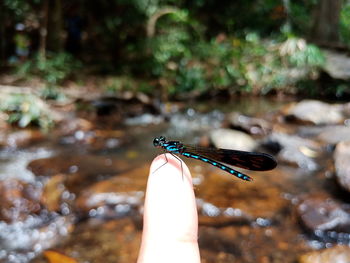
(158, 141)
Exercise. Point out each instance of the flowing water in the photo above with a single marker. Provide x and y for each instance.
(91, 194)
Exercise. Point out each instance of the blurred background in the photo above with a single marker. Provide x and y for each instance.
(85, 86)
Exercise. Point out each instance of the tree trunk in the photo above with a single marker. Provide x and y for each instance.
(55, 26)
(43, 29)
(2, 35)
(325, 30)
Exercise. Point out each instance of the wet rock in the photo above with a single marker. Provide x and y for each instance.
(211, 215)
(294, 150)
(325, 214)
(337, 254)
(145, 119)
(21, 138)
(115, 197)
(191, 120)
(342, 164)
(70, 163)
(80, 171)
(52, 192)
(334, 134)
(21, 241)
(18, 200)
(310, 131)
(249, 124)
(243, 243)
(316, 112)
(96, 140)
(337, 64)
(346, 110)
(4, 125)
(101, 241)
(72, 125)
(231, 139)
(224, 199)
(106, 139)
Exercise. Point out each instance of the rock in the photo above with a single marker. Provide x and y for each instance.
(73, 163)
(231, 139)
(316, 112)
(322, 213)
(4, 125)
(72, 125)
(337, 64)
(21, 138)
(342, 164)
(244, 243)
(91, 242)
(52, 192)
(18, 200)
(335, 134)
(226, 199)
(249, 124)
(114, 197)
(26, 239)
(337, 254)
(80, 170)
(294, 149)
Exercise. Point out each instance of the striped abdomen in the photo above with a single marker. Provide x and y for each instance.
(217, 164)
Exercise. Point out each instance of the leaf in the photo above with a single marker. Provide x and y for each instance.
(56, 257)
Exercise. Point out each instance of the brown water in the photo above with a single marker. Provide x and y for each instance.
(93, 196)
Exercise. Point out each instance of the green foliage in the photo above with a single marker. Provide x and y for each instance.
(171, 44)
(167, 48)
(243, 46)
(26, 109)
(53, 69)
(120, 84)
(248, 64)
(345, 23)
(189, 78)
(273, 66)
(301, 15)
(308, 56)
(18, 7)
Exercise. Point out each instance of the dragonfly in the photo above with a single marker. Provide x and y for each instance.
(254, 161)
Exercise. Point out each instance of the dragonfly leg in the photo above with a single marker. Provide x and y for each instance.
(168, 161)
(162, 164)
(182, 170)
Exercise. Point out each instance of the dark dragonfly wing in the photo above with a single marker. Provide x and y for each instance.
(254, 161)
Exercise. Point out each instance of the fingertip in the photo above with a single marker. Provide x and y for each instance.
(170, 214)
(169, 165)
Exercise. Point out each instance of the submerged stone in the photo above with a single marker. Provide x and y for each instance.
(18, 200)
(249, 124)
(316, 112)
(337, 254)
(293, 149)
(342, 164)
(324, 214)
(232, 139)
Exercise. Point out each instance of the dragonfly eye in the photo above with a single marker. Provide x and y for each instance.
(156, 142)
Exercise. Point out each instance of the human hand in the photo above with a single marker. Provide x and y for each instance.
(170, 222)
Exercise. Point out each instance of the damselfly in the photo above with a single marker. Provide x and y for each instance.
(247, 160)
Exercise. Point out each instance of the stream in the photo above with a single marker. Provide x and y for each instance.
(79, 194)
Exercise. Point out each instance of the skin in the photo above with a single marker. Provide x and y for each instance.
(170, 222)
